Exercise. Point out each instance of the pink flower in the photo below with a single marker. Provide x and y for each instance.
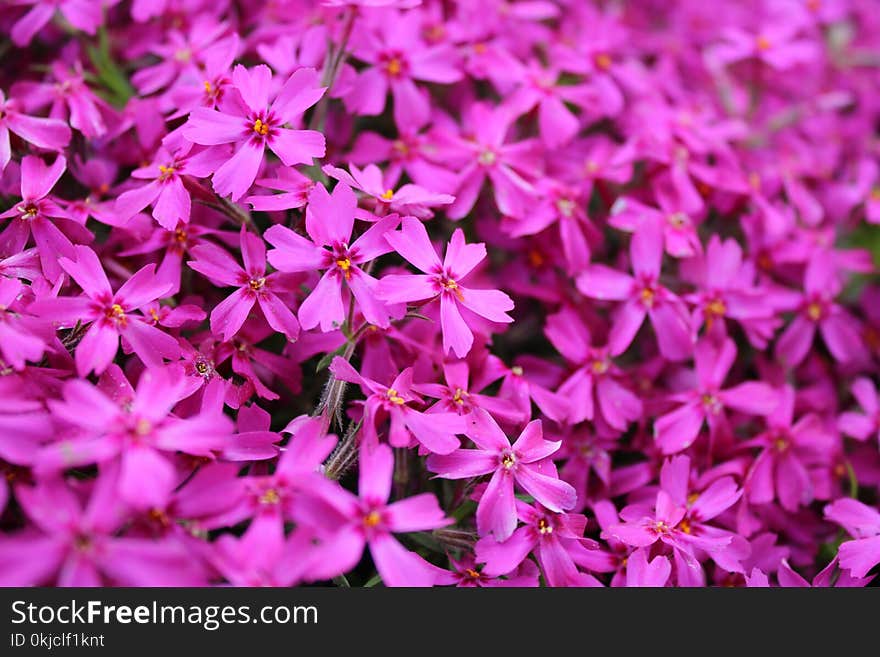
(435, 432)
(410, 199)
(525, 463)
(75, 546)
(707, 402)
(862, 523)
(142, 435)
(817, 310)
(38, 213)
(862, 426)
(84, 15)
(643, 295)
(350, 523)
(789, 450)
(20, 334)
(555, 538)
(250, 122)
(254, 287)
(397, 57)
(112, 314)
(444, 280)
(596, 381)
(165, 192)
(329, 222)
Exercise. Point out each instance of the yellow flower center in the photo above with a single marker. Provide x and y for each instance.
(261, 128)
(544, 527)
(271, 496)
(394, 398)
(394, 66)
(165, 172)
(459, 396)
(472, 574)
(208, 87)
(372, 519)
(345, 265)
(814, 311)
(508, 461)
(763, 43)
(647, 295)
(516, 370)
(685, 526)
(603, 61)
(257, 283)
(599, 366)
(387, 194)
(115, 313)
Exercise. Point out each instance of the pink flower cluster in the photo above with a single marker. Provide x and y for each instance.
(439, 292)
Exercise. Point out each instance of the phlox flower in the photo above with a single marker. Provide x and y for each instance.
(40, 215)
(349, 523)
(443, 280)
(254, 285)
(112, 314)
(251, 123)
(862, 523)
(78, 544)
(525, 463)
(643, 295)
(706, 402)
(329, 224)
(556, 539)
(435, 431)
(140, 435)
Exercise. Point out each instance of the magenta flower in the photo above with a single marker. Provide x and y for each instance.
(461, 393)
(76, 546)
(556, 539)
(141, 435)
(112, 314)
(484, 153)
(38, 213)
(250, 122)
(435, 432)
(329, 222)
(254, 287)
(70, 98)
(643, 295)
(409, 199)
(862, 523)
(165, 192)
(817, 310)
(20, 338)
(82, 14)
(457, 303)
(351, 522)
(727, 290)
(706, 402)
(525, 463)
(862, 426)
(397, 57)
(595, 383)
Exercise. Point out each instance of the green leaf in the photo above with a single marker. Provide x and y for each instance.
(373, 581)
(109, 74)
(324, 363)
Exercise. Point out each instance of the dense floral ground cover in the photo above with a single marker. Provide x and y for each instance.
(475, 293)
